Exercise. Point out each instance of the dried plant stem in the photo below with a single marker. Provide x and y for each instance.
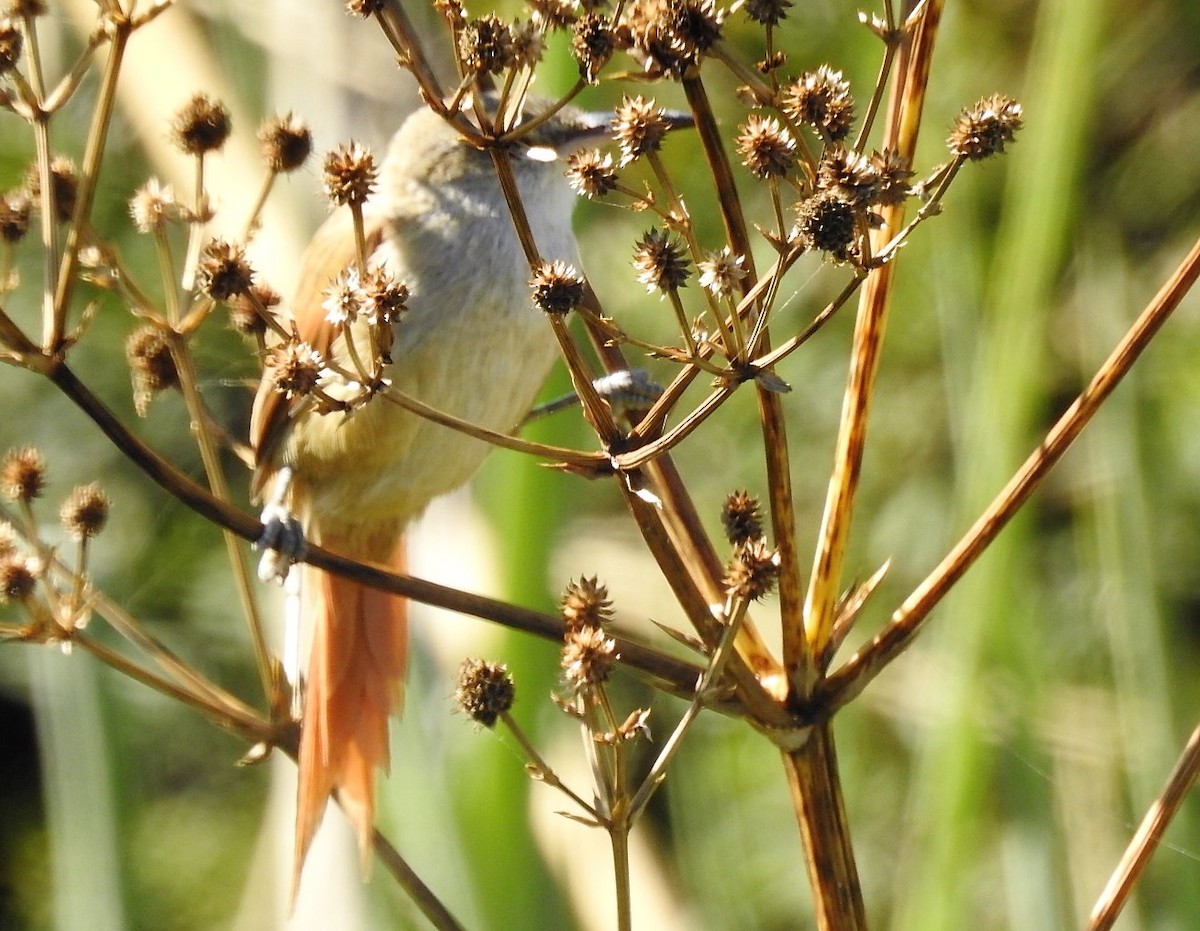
(868, 662)
(1146, 840)
(618, 835)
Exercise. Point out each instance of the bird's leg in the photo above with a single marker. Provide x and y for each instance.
(282, 540)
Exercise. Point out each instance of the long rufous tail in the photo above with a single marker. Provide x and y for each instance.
(355, 682)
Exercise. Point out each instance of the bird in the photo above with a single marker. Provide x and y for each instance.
(469, 343)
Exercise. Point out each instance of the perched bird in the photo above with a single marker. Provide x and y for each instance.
(469, 343)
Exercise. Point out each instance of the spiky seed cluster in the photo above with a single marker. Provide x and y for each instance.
(767, 149)
(484, 690)
(849, 174)
(202, 125)
(528, 44)
(350, 175)
(767, 12)
(721, 272)
(555, 14)
(152, 205)
(828, 223)
(585, 604)
(588, 656)
(384, 298)
(23, 474)
(485, 45)
(557, 287)
(661, 261)
(741, 516)
(64, 186)
(639, 127)
(294, 368)
(591, 173)
(343, 298)
(85, 511)
(894, 175)
(12, 40)
(984, 129)
(821, 99)
(672, 35)
(15, 210)
(18, 577)
(23, 8)
(244, 315)
(363, 8)
(223, 271)
(285, 141)
(593, 42)
(753, 571)
(151, 365)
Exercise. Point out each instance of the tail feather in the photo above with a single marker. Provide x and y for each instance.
(355, 682)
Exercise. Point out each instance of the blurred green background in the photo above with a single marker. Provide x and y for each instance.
(992, 776)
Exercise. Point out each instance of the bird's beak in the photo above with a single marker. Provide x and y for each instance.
(592, 129)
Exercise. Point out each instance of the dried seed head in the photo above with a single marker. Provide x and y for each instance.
(672, 35)
(985, 128)
(767, 12)
(350, 174)
(821, 99)
(15, 209)
(452, 11)
(592, 43)
(18, 577)
(244, 316)
(557, 287)
(384, 298)
(660, 261)
(12, 40)
(485, 45)
(85, 511)
(850, 175)
(766, 148)
(202, 125)
(484, 691)
(528, 44)
(639, 127)
(152, 205)
(23, 474)
(721, 272)
(23, 8)
(151, 364)
(894, 174)
(741, 516)
(286, 142)
(585, 604)
(223, 271)
(364, 8)
(753, 571)
(344, 298)
(555, 14)
(64, 186)
(587, 657)
(294, 368)
(591, 173)
(828, 223)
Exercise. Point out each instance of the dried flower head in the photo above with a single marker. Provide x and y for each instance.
(555, 14)
(384, 297)
(639, 127)
(244, 313)
(557, 287)
(985, 128)
(753, 571)
(591, 173)
(350, 174)
(484, 691)
(529, 45)
(660, 261)
(593, 42)
(485, 45)
(223, 271)
(286, 142)
(23, 474)
(85, 511)
(721, 272)
(151, 364)
(18, 577)
(364, 8)
(585, 604)
(294, 368)
(12, 40)
(587, 657)
(767, 12)
(202, 125)
(672, 35)
(23, 8)
(821, 99)
(848, 174)
(766, 148)
(741, 516)
(828, 223)
(344, 298)
(152, 205)
(894, 174)
(15, 209)
(64, 186)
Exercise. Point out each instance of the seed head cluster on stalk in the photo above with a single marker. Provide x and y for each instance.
(804, 175)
